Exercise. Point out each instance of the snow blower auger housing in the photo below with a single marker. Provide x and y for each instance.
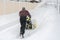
(28, 23)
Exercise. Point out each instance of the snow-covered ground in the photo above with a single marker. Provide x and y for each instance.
(47, 20)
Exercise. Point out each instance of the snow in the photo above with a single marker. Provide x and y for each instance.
(48, 25)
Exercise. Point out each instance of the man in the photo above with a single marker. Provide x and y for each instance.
(23, 14)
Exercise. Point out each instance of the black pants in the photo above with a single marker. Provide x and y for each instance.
(23, 25)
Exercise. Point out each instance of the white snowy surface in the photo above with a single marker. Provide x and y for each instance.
(48, 21)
